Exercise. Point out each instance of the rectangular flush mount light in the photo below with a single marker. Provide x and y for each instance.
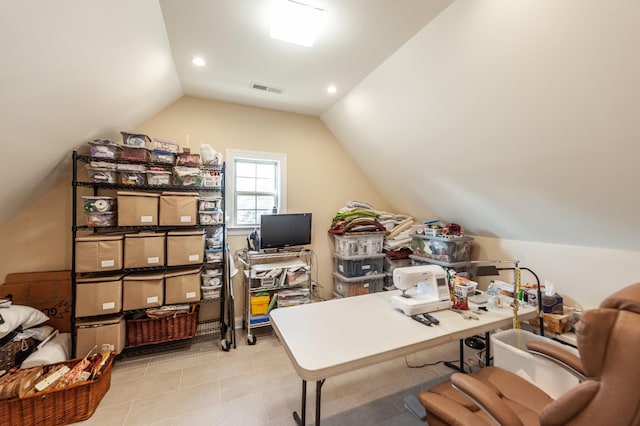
(296, 22)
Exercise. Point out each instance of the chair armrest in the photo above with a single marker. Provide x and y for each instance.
(486, 399)
(565, 359)
(449, 411)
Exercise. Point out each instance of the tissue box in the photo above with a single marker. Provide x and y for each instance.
(552, 304)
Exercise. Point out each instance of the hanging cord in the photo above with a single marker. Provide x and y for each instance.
(431, 364)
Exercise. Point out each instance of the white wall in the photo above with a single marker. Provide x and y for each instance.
(586, 275)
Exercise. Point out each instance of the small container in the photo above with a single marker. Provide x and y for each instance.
(134, 153)
(104, 149)
(188, 159)
(209, 293)
(213, 255)
(359, 266)
(132, 178)
(211, 179)
(100, 175)
(158, 178)
(187, 176)
(98, 219)
(164, 157)
(356, 286)
(213, 243)
(259, 305)
(135, 140)
(210, 218)
(209, 203)
(165, 145)
(211, 281)
(99, 204)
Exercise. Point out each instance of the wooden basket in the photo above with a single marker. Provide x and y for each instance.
(150, 331)
(58, 406)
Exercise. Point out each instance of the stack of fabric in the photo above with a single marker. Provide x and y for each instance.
(359, 216)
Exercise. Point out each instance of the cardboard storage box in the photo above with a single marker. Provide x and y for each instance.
(137, 208)
(98, 296)
(48, 291)
(141, 291)
(185, 248)
(99, 253)
(91, 333)
(554, 323)
(182, 286)
(178, 208)
(144, 250)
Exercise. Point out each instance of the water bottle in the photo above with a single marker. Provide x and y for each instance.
(492, 297)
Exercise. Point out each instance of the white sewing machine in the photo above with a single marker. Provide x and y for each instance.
(424, 289)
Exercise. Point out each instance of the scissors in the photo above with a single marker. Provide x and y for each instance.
(466, 315)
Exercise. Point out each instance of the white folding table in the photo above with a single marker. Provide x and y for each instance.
(328, 338)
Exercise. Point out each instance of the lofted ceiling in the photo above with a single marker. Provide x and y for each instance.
(515, 119)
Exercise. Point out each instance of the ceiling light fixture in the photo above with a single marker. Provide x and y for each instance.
(197, 60)
(296, 22)
(332, 89)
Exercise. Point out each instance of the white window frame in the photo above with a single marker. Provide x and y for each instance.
(230, 198)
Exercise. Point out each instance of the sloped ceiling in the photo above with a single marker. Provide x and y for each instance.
(73, 71)
(516, 119)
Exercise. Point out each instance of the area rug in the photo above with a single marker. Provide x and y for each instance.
(387, 411)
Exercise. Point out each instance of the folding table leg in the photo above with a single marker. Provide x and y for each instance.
(303, 411)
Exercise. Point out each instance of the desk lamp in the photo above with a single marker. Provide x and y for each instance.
(492, 270)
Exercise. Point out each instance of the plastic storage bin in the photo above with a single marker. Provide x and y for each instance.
(358, 245)
(133, 153)
(356, 286)
(510, 353)
(259, 305)
(98, 204)
(163, 157)
(104, 149)
(100, 175)
(209, 203)
(359, 266)
(443, 249)
(209, 217)
(158, 177)
(97, 219)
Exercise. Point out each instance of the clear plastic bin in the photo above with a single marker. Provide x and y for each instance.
(359, 266)
(97, 219)
(163, 157)
(358, 245)
(158, 177)
(100, 175)
(133, 153)
(510, 352)
(444, 249)
(98, 204)
(356, 286)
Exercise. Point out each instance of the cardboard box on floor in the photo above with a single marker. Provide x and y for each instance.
(48, 291)
(93, 333)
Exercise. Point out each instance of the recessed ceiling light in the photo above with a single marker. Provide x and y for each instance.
(296, 22)
(197, 60)
(332, 89)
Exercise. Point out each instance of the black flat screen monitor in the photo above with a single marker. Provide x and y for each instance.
(285, 230)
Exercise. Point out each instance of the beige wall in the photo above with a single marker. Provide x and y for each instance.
(39, 238)
(321, 176)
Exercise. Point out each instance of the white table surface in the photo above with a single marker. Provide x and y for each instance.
(328, 338)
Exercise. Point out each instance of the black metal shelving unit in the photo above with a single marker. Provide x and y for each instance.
(224, 326)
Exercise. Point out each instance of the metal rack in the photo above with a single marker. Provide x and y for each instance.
(254, 262)
(208, 328)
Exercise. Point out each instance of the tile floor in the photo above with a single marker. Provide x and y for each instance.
(250, 385)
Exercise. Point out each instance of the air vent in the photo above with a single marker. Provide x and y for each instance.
(266, 88)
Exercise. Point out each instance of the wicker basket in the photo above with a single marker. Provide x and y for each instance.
(58, 406)
(149, 331)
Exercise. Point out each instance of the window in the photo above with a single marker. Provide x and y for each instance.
(256, 183)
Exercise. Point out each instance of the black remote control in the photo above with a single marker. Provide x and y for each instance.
(431, 318)
(422, 320)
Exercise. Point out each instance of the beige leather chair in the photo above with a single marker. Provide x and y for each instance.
(608, 341)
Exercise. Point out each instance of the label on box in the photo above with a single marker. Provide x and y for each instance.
(194, 257)
(365, 285)
(190, 295)
(108, 305)
(366, 266)
(152, 260)
(185, 219)
(152, 299)
(146, 219)
(108, 263)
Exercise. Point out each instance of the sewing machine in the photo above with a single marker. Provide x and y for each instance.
(424, 289)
